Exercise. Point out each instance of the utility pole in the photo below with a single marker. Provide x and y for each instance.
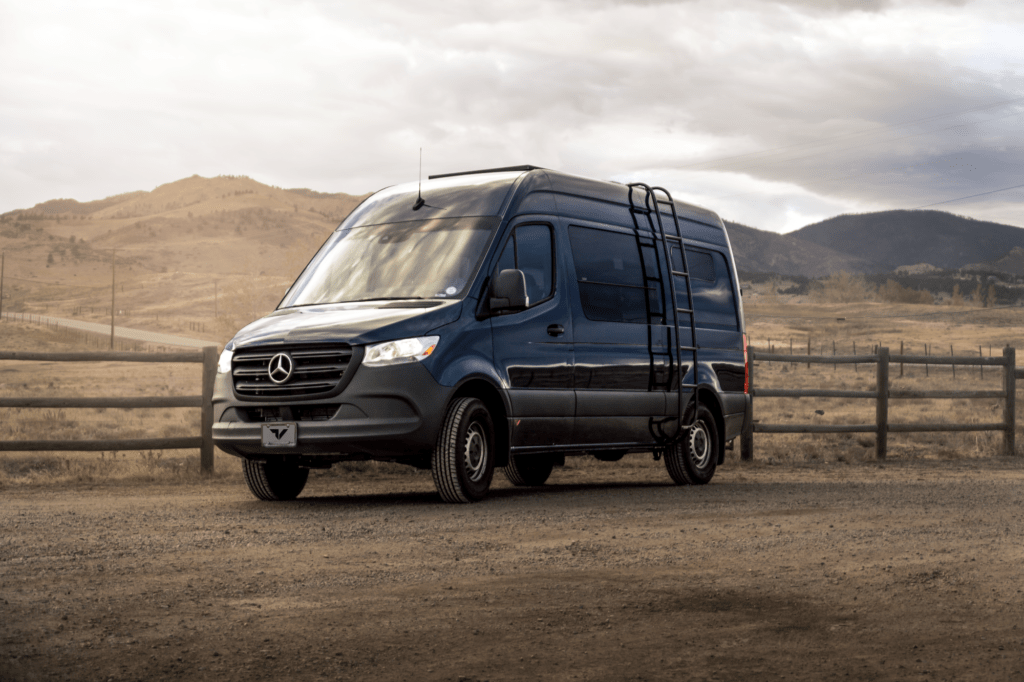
(113, 257)
(3, 256)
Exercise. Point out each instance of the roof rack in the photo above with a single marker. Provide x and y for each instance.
(486, 170)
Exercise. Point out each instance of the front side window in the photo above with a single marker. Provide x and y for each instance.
(415, 259)
(529, 249)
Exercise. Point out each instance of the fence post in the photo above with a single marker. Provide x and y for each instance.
(747, 435)
(1010, 406)
(206, 420)
(882, 405)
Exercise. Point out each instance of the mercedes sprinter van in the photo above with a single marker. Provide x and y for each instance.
(501, 318)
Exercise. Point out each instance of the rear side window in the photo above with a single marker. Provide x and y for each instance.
(713, 295)
(530, 249)
(610, 276)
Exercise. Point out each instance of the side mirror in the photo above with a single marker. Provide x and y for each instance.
(508, 292)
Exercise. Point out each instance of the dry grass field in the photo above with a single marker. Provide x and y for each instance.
(782, 323)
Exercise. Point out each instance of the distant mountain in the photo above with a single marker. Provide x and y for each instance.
(762, 251)
(890, 239)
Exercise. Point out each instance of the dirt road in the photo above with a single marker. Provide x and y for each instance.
(846, 571)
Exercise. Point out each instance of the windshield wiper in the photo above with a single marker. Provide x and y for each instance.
(385, 298)
(358, 300)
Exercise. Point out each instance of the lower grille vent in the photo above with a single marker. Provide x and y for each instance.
(301, 413)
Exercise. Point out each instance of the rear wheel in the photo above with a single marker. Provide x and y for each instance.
(463, 461)
(274, 481)
(527, 471)
(693, 459)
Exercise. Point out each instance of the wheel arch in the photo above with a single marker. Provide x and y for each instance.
(714, 405)
(496, 400)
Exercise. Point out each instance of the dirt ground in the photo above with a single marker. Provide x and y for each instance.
(902, 571)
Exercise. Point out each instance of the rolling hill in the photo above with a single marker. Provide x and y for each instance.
(188, 249)
(762, 251)
(226, 248)
(890, 239)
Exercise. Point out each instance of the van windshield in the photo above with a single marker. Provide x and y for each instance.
(416, 259)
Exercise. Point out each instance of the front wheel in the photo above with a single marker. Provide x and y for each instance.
(693, 459)
(274, 482)
(463, 460)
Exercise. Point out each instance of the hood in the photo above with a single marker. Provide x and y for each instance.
(353, 323)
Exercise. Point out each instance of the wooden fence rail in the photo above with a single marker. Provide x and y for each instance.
(207, 357)
(883, 393)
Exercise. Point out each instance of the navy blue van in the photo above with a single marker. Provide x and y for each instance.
(503, 318)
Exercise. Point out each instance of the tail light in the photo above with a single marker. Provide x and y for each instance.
(746, 367)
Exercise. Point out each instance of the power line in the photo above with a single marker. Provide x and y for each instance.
(949, 201)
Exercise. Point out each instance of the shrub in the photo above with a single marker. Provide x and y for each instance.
(897, 293)
(843, 287)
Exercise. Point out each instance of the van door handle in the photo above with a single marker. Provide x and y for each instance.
(555, 330)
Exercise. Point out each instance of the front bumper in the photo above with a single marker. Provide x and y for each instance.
(390, 413)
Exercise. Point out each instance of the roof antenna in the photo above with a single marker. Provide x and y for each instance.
(419, 190)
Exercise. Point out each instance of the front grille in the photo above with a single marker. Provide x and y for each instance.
(316, 371)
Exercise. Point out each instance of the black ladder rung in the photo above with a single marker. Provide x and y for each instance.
(688, 311)
(677, 273)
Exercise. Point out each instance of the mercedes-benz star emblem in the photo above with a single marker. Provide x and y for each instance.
(280, 368)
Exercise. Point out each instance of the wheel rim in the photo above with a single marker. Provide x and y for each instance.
(700, 445)
(476, 452)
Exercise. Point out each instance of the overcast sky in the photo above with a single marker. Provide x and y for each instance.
(773, 114)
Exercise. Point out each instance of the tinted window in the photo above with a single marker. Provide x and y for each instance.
(610, 276)
(702, 265)
(529, 249)
(713, 295)
(533, 257)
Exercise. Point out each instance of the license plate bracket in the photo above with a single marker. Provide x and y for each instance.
(280, 434)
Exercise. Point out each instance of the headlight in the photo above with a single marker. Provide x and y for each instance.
(224, 364)
(403, 350)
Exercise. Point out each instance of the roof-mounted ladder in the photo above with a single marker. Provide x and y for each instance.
(651, 208)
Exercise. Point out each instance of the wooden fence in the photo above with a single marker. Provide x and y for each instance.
(882, 394)
(207, 357)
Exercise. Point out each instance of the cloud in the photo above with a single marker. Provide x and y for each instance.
(787, 108)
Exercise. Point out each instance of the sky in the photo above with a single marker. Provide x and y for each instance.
(773, 114)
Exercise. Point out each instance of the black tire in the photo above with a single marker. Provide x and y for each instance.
(609, 455)
(529, 470)
(463, 461)
(274, 481)
(693, 459)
